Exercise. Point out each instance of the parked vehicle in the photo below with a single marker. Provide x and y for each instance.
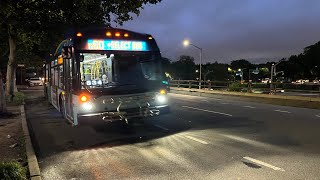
(266, 80)
(35, 81)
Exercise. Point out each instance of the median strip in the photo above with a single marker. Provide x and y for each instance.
(282, 111)
(215, 112)
(263, 163)
(196, 139)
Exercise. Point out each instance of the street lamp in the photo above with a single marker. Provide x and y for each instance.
(187, 43)
(273, 73)
(241, 75)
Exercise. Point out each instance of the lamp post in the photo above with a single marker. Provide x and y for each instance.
(241, 75)
(273, 73)
(187, 43)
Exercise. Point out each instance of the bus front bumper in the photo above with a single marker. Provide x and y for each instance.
(127, 114)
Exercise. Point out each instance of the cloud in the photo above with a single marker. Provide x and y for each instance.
(231, 29)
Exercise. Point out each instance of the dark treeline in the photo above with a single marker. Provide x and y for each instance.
(303, 66)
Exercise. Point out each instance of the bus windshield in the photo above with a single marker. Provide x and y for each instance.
(103, 71)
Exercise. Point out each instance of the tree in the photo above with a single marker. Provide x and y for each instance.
(244, 65)
(166, 64)
(184, 68)
(42, 22)
(215, 71)
(3, 108)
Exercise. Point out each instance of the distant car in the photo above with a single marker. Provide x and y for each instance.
(266, 80)
(35, 81)
(316, 82)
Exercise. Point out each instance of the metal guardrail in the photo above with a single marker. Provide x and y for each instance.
(195, 84)
(264, 87)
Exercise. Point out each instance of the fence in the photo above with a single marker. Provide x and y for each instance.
(236, 86)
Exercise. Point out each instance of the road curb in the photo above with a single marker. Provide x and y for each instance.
(33, 165)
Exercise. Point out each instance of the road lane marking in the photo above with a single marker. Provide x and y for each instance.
(263, 163)
(282, 111)
(251, 107)
(318, 116)
(196, 139)
(224, 103)
(161, 127)
(215, 112)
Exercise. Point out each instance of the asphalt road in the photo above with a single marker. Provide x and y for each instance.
(202, 138)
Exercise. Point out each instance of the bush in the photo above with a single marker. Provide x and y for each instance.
(12, 170)
(236, 86)
(18, 98)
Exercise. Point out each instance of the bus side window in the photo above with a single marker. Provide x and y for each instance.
(61, 79)
(52, 77)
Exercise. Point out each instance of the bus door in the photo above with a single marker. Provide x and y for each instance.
(68, 65)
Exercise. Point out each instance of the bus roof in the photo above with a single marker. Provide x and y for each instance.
(100, 31)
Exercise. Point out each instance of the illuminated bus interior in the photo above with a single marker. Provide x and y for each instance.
(102, 71)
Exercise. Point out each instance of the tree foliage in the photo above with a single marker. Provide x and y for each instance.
(184, 68)
(302, 66)
(30, 28)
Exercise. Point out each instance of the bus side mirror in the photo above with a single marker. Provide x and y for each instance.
(81, 58)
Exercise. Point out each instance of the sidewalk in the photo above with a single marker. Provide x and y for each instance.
(15, 141)
(12, 138)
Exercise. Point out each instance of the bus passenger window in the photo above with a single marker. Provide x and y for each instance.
(61, 80)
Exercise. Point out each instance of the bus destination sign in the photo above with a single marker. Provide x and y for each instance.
(116, 45)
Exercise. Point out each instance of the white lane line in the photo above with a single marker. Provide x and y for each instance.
(161, 127)
(263, 163)
(318, 116)
(207, 110)
(282, 111)
(196, 139)
(251, 107)
(224, 103)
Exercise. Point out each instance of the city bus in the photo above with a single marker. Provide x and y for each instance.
(106, 73)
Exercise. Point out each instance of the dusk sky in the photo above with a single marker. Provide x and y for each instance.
(231, 29)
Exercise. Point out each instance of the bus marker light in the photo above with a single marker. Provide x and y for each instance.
(126, 35)
(149, 37)
(60, 60)
(117, 34)
(163, 91)
(79, 34)
(108, 34)
(84, 98)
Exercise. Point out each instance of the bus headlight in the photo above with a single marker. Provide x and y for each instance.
(87, 106)
(161, 98)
